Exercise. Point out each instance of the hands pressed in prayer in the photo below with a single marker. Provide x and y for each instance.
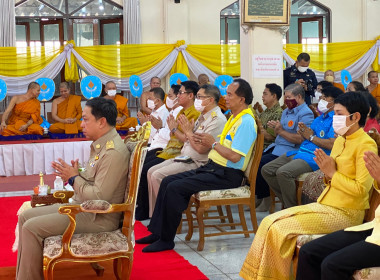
(156, 122)
(326, 163)
(142, 118)
(304, 131)
(372, 162)
(276, 125)
(172, 123)
(186, 126)
(64, 170)
(204, 138)
(258, 107)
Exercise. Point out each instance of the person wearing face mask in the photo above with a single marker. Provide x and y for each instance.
(185, 98)
(123, 121)
(281, 173)
(318, 92)
(342, 204)
(159, 113)
(66, 110)
(193, 154)
(287, 138)
(329, 76)
(301, 74)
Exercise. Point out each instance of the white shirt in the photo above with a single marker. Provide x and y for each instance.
(161, 113)
(161, 139)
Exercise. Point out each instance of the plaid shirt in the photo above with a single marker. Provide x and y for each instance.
(272, 114)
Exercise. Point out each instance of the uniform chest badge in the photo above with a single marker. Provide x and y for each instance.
(290, 123)
(322, 133)
(92, 164)
(96, 157)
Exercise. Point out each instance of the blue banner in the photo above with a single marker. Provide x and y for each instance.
(222, 82)
(47, 89)
(3, 89)
(178, 78)
(91, 86)
(346, 78)
(135, 86)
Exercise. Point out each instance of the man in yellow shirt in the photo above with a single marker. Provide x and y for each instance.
(66, 110)
(123, 120)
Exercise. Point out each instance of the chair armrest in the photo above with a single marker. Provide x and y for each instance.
(63, 195)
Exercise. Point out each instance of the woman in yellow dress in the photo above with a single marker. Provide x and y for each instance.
(342, 203)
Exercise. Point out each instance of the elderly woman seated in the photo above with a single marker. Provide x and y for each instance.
(342, 203)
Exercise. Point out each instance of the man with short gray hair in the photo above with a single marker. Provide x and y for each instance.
(287, 138)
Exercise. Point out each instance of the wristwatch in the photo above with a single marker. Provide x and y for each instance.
(214, 144)
(71, 180)
(173, 130)
(311, 138)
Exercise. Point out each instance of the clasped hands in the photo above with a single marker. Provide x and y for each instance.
(64, 170)
(276, 125)
(69, 120)
(304, 131)
(156, 122)
(326, 163)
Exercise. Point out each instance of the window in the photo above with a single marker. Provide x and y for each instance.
(230, 24)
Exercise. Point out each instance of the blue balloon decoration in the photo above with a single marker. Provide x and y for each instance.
(3, 90)
(135, 86)
(91, 87)
(47, 89)
(222, 82)
(178, 78)
(346, 78)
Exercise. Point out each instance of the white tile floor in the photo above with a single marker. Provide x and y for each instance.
(222, 256)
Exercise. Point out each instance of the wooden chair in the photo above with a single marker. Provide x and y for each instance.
(244, 195)
(71, 247)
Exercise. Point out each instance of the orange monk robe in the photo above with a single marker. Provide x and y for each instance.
(340, 86)
(376, 93)
(222, 104)
(69, 108)
(122, 110)
(21, 114)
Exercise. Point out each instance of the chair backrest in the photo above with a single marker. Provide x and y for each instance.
(133, 181)
(254, 162)
(374, 202)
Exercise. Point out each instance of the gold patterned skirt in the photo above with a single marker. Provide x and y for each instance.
(273, 247)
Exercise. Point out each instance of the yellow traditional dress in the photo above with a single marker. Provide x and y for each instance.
(341, 205)
(68, 108)
(21, 114)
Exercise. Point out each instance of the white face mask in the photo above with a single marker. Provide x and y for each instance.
(170, 103)
(322, 106)
(111, 92)
(339, 124)
(302, 69)
(198, 105)
(150, 104)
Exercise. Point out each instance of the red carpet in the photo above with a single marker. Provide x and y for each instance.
(165, 265)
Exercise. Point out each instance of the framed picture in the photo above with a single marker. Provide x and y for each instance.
(261, 12)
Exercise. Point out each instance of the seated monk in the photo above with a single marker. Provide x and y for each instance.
(24, 114)
(374, 87)
(66, 110)
(203, 79)
(123, 121)
(330, 77)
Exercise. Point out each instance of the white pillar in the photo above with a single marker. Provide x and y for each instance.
(7, 23)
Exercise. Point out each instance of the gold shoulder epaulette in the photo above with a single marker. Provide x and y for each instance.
(110, 145)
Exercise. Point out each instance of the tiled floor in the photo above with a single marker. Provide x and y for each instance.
(222, 256)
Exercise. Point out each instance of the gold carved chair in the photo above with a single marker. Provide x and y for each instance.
(117, 245)
(244, 195)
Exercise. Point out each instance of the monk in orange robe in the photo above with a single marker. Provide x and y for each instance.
(23, 114)
(374, 87)
(203, 79)
(66, 110)
(123, 121)
(330, 77)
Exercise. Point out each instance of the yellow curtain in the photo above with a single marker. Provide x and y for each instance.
(124, 60)
(16, 62)
(221, 59)
(334, 56)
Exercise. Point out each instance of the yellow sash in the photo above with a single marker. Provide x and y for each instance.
(231, 122)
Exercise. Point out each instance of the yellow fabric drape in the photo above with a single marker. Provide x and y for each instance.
(334, 56)
(221, 59)
(71, 71)
(124, 60)
(16, 62)
(180, 65)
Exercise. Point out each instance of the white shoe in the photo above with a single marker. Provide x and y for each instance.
(264, 205)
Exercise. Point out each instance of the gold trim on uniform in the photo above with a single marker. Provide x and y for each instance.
(110, 145)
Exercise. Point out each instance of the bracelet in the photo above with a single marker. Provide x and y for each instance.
(213, 145)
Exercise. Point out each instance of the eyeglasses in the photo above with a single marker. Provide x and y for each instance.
(182, 92)
(201, 96)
